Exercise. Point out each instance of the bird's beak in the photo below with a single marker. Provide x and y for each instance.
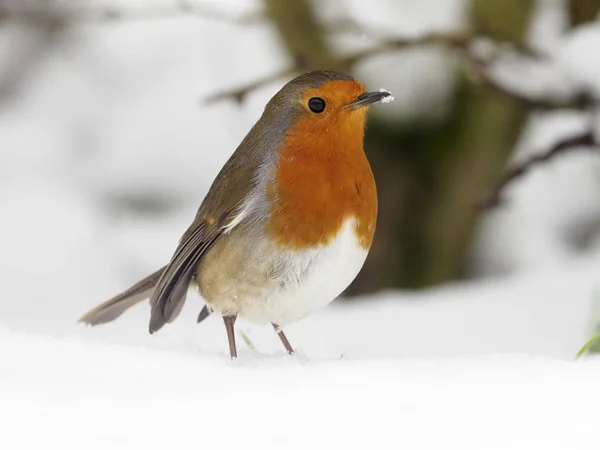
(368, 98)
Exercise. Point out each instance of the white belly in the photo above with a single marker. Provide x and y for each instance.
(302, 282)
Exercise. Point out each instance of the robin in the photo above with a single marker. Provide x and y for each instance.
(288, 222)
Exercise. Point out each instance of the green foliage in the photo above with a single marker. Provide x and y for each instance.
(591, 346)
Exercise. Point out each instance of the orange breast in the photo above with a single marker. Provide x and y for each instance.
(323, 178)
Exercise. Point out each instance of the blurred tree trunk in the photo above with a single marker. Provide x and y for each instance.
(483, 144)
(301, 34)
(428, 176)
(444, 166)
(583, 11)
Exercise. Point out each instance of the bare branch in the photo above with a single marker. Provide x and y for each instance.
(239, 94)
(458, 41)
(584, 141)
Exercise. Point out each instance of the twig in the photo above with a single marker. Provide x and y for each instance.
(239, 94)
(584, 141)
(456, 41)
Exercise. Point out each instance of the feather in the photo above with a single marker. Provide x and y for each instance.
(170, 293)
(114, 307)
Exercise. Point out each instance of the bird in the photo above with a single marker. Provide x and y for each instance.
(286, 225)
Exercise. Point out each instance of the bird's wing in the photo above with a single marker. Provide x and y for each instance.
(228, 202)
(169, 296)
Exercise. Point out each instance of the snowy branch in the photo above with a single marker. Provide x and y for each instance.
(580, 101)
(464, 44)
(584, 141)
(59, 14)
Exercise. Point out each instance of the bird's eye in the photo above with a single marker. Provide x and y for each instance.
(316, 105)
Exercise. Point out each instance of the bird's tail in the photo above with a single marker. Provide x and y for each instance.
(114, 307)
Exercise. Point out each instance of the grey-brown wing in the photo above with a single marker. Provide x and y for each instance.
(170, 292)
(223, 208)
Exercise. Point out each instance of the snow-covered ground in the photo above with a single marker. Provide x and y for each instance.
(111, 115)
(481, 365)
(76, 393)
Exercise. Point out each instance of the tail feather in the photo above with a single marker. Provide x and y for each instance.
(114, 307)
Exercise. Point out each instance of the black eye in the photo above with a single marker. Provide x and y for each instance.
(316, 105)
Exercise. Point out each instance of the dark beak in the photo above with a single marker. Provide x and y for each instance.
(368, 98)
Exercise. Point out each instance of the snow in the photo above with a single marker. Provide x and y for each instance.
(481, 365)
(112, 396)
(485, 364)
(389, 98)
(112, 116)
(578, 58)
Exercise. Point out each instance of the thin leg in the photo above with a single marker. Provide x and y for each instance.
(229, 322)
(283, 338)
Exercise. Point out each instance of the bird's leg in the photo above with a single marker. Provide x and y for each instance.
(283, 338)
(229, 322)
